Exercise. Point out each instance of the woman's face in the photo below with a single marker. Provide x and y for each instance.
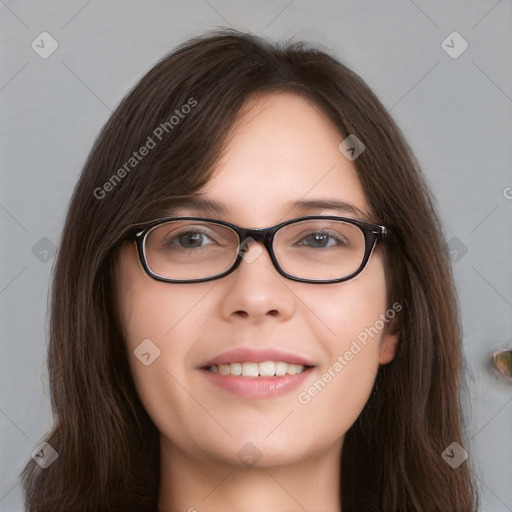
(283, 151)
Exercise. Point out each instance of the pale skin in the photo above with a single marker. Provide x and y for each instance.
(283, 150)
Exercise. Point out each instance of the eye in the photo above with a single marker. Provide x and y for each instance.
(322, 240)
(192, 239)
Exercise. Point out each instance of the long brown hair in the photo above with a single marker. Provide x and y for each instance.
(108, 446)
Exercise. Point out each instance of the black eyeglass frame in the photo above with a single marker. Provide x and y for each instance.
(373, 233)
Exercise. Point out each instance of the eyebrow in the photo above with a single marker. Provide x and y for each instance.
(195, 205)
(328, 204)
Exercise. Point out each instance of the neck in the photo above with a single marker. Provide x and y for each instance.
(200, 485)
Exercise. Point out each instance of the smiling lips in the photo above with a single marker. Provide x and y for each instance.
(256, 373)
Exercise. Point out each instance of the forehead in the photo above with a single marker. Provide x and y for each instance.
(281, 156)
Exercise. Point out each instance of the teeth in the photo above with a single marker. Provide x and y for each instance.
(281, 368)
(250, 369)
(265, 369)
(236, 369)
(224, 369)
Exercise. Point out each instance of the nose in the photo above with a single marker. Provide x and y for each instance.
(255, 290)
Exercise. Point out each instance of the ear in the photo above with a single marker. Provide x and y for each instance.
(389, 343)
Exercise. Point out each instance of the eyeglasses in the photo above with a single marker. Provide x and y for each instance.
(313, 249)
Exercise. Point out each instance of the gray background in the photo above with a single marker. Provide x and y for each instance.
(455, 112)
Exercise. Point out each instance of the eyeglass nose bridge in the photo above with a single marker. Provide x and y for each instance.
(262, 235)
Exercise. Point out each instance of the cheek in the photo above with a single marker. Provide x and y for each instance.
(351, 330)
(160, 335)
(351, 310)
(161, 323)
(151, 309)
(337, 395)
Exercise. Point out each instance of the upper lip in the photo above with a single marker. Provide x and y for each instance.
(258, 355)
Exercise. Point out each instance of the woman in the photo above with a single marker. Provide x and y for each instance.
(200, 363)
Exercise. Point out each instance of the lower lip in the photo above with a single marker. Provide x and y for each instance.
(257, 387)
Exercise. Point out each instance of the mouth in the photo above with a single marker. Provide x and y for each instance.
(252, 369)
(257, 374)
